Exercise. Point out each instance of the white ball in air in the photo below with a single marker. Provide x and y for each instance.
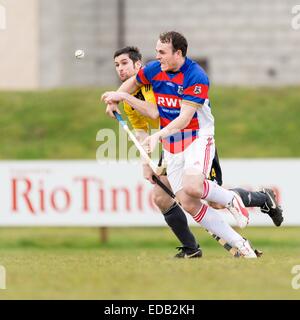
(79, 54)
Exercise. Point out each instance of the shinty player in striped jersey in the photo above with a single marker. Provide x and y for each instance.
(128, 62)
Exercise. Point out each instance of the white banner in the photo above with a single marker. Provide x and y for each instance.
(88, 193)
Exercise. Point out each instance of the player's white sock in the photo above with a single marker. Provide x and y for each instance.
(211, 220)
(213, 192)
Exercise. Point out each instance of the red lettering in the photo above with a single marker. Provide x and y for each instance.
(101, 200)
(25, 194)
(85, 191)
(67, 199)
(42, 197)
(115, 198)
(140, 190)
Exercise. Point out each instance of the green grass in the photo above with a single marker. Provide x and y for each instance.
(58, 124)
(63, 123)
(257, 122)
(69, 263)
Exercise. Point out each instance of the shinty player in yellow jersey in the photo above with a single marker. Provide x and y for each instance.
(128, 61)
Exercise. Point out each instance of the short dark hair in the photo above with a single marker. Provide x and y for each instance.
(177, 40)
(133, 53)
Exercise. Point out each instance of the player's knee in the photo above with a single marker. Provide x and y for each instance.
(193, 183)
(193, 190)
(189, 204)
(162, 201)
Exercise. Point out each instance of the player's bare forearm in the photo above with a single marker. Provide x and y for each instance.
(146, 108)
(181, 122)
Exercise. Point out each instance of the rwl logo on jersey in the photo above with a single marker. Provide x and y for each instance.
(180, 90)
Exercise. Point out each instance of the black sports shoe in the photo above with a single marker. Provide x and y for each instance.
(271, 207)
(187, 253)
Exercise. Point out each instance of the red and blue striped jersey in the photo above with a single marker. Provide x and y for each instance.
(190, 84)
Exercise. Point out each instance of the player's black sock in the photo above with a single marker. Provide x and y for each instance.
(251, 199)
(177, 221)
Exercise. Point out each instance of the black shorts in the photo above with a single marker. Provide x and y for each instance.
(216, 171)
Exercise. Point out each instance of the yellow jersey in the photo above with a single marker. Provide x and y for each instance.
(136, 119)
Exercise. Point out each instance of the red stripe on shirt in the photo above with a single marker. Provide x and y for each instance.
(194, 124)
(178, 79)
(162, 76)
(178, 146)
(197, 90)
(141, 74)
(164, 122)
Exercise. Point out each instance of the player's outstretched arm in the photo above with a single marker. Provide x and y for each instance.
(130, 86)
(181, 122)
(147, 109)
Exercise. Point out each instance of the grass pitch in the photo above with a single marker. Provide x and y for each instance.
(68, 263)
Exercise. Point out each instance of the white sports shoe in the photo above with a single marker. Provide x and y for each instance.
(245, 249)
(238, 210)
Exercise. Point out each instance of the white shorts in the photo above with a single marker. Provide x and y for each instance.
(199, 155)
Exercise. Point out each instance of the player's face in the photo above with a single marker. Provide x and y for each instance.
(125, 67)
(168, 59)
